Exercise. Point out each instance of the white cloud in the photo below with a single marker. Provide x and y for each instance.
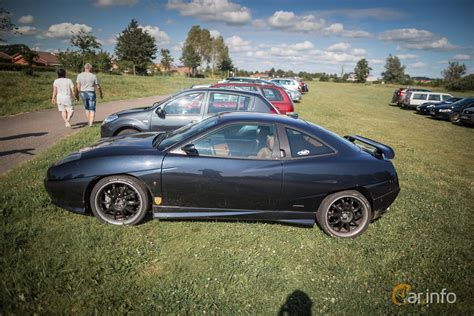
(212, 10)
(26, 19)
(377, 61)
(303, 45)
(64, 30)
(339, 47)
(112, 40)
(237, 44)
(462, 57)
(417, 65)
(358, 51)
(411, 38)
(160, 36)
(407, 56)
(178, 47)
(376, 13)
(27, 30)
(288, 21)
(214, 33)
(110, 3)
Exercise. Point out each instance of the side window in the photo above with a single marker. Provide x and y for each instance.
(262, 106)
(272, 94)
(446, 97)
(189, 104)
(419, 96)
(254, 141)
(302, 145)
(222, 102)
(434, 97)
(248, 88)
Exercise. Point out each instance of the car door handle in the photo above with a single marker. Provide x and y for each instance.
(282, 153)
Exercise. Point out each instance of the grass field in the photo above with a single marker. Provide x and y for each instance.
(58, 262)
(22, 93)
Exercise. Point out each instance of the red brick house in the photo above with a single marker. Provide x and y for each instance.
(43, 59)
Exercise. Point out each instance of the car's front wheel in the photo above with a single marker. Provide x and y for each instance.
(455, 117)
(344, 214)
(128, 131)
(119, 200)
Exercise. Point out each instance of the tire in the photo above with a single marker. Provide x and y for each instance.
(113, 205)
(344, 214)
(455, 118)
(128, 131)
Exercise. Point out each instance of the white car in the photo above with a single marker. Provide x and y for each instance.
(287, 83)
(415, 98)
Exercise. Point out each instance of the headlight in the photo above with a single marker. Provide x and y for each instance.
(110, 118)
(445, 110)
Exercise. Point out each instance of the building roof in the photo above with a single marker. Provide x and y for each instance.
(5, 56)
(44, 58)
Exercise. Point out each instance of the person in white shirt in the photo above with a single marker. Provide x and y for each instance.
(87, 83)
(63, 92)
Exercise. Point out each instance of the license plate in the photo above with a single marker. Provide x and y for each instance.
(464, 117)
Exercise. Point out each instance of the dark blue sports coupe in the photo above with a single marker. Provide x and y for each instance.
(243, 166)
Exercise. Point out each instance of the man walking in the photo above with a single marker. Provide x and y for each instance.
(87, 84)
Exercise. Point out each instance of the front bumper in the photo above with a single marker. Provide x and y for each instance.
(68, 194)
(467, 118)
(440, 115)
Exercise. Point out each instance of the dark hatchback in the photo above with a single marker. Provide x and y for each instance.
(242, 166)
(425, 108)
(185, 107)
(451, 111)
(467, 116)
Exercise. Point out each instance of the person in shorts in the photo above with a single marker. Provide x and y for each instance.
(63, 92)
(86, 84)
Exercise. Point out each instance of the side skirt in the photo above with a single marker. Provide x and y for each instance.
(289, 217)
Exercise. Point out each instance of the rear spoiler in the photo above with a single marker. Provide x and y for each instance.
(381, 150)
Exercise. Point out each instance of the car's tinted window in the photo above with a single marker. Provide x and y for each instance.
(223, 102)
(188, 104)
(247, 88)
(272, 94)
(446, 97)
(302, 145)
(262, 106)
(257, 141)
(419, 96)
(434, 97)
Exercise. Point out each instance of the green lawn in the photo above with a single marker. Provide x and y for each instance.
(22, 93)
(54, 261)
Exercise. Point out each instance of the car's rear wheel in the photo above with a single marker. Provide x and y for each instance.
(455, 117)
(128, 131)
(344, 214)
(119, 200)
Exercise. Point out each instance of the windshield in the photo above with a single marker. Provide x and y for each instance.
(463, 102)
(156, 104)
(176, 136)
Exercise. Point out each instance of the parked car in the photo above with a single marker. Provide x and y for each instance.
(425, 108)
(399, 95)
(183, 108)
(467, 116)
(296, 96)
(242, 166)
(451, 111)
(275, 94)
(288, 83)
(303, 86)
(415, 98)
(245, 79)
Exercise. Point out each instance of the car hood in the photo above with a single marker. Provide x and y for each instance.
(444, 106)
(134, 110)
(133, 144)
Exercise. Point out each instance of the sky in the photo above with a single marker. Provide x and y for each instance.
(311, 35)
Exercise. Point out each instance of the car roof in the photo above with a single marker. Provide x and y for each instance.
(252, 84)
(243, 92)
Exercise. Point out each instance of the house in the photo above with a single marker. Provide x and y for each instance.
(43, 59)
(259, 75)
(5, 58)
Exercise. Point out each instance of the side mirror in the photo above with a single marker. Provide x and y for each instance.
(190, 150)
(161, 113)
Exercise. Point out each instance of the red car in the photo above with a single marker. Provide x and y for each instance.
(275, 94)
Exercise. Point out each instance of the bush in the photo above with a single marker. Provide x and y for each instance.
(18, 67)
(463, 84)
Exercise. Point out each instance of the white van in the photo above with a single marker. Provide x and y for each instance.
(415, 98)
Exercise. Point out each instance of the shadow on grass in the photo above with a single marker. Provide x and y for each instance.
(297, 303)
(26, 151)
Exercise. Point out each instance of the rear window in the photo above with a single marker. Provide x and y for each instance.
(272, 94)
(434, 97)
(419, 96)
(262, 106)
(223, 102)
(302, 145)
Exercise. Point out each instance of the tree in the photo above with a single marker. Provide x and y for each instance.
(86, 43)
(6, 25)
(394, 72)
(71, 60)
(190, 58)
(224, 61)
(12, 49)
(166, 59)
(454, 71)
(362, 70)
(135, 47)
(102, 61)
(29, 56)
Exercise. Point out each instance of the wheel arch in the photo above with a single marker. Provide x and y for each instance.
(121, 128)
